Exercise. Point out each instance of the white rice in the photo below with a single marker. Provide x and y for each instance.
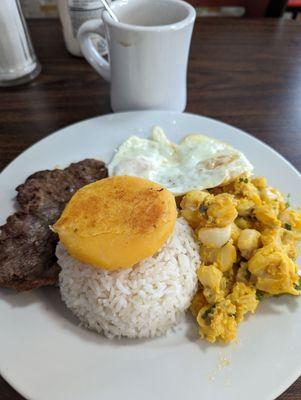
(143, 301)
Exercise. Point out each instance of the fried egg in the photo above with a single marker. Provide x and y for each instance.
(198, 162)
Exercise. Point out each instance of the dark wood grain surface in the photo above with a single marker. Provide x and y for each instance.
(244, 72)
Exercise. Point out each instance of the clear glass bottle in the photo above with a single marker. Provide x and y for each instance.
(73, 13)
(18, 62)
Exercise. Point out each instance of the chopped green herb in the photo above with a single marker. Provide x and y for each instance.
(288, 226)
(248, 274)
(259, 295)
(206, 316)
(288, 203)
(244, 180)
(203, 209)
(298, 285)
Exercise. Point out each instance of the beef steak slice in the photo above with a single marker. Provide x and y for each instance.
(27, 253)
(27, 245)
(46, 193)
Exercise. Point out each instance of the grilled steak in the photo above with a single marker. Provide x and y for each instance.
(27, 253)
(46, 193)
(27, 245)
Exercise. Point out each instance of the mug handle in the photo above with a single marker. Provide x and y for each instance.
(97, 61)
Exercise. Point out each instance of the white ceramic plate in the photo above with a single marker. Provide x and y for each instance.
(45, 355)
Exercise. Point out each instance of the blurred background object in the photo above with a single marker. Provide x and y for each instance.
(39, 8)
(245, 8)
(73, 13)
(18, 63)
(206, 8)
(294, 7)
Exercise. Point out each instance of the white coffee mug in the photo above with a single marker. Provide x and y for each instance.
(148, 53)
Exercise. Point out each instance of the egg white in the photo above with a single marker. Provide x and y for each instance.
(198, 162)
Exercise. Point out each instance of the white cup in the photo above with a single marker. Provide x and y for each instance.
(148, 53)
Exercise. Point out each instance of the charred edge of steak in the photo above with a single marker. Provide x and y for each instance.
(25, 285)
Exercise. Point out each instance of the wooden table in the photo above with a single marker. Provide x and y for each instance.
(243, 72)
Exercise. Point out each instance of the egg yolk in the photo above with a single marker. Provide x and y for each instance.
(116, 222)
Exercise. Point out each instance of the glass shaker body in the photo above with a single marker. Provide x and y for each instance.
(18, 62)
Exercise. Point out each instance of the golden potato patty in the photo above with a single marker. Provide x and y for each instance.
(116, 222)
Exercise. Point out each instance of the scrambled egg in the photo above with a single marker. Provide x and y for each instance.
(248, 239)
